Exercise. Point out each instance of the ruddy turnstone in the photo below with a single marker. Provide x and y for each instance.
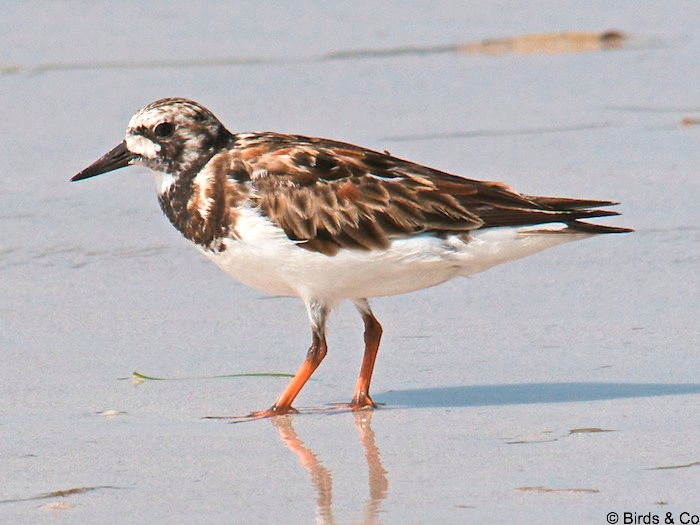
(327, 221)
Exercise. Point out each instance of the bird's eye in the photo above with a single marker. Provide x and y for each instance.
(163, 130)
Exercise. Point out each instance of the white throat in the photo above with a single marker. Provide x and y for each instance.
(164, 181)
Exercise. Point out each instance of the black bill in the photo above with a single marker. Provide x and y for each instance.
(114, 159)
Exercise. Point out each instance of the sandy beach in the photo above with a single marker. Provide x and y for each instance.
(562, 387)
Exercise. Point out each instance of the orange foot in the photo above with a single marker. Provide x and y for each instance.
(260, 414)
(358, 403)
(273, 411)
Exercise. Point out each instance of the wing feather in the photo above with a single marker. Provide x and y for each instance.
(329, 195)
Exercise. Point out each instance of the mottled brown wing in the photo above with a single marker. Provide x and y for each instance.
(330, 195)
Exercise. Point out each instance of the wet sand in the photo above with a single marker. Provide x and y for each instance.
(564, 385)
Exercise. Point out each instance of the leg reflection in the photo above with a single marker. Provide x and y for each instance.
(321, 478)
(378, 482)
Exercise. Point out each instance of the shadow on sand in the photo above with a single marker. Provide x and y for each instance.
(525, 393)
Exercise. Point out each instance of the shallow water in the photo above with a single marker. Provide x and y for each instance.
(496, 387)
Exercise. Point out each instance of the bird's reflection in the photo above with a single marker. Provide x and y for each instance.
(321, 478)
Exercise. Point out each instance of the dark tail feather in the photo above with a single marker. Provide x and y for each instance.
(502, 216)
(577, 209)
(563, 203)
(587, 227)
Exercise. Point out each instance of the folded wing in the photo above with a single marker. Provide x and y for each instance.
(329, 195)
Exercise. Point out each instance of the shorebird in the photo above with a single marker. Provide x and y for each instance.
(328, 221)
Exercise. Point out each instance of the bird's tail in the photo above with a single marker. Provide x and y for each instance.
(581, 208)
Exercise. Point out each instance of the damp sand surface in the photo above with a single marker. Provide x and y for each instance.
(562, 385)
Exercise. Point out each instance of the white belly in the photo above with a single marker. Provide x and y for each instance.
(264, 258)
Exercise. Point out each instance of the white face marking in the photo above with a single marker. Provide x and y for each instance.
(163, 181)
(140, 145)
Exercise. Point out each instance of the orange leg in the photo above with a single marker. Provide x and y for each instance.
(373, 335)
(316, 353)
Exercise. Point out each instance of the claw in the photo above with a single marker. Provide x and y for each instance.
(273, 411)
(270, 412)
(364, 403)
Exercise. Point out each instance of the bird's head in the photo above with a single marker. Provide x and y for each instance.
(169, 136)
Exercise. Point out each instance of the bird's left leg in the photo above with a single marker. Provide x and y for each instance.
(373, 335)
(317, 315)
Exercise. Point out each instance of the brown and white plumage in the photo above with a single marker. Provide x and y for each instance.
(333, 195)
(328, 221)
